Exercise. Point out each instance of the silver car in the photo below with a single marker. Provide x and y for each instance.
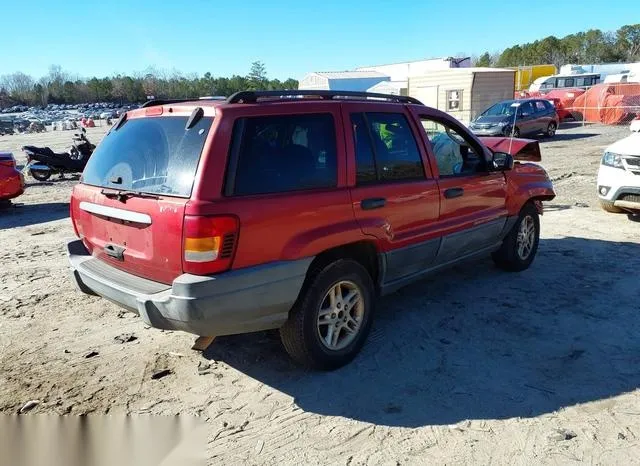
(517, 118)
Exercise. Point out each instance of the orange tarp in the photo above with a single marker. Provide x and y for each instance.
(608, 103)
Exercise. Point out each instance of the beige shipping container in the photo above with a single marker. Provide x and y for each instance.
(463, 92)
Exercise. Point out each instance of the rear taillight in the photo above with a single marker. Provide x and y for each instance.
(8, 163)
(72, 216)
(209, 244)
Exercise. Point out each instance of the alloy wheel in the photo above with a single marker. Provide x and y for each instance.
(526, 237)
(340, 316)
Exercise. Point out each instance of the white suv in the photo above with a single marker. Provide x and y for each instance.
(619, 175)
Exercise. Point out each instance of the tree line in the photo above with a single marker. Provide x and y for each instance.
(592, 46)
(60, 87)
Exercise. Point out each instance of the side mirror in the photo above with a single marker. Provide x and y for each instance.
(502, 161)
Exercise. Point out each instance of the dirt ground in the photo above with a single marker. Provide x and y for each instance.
(474, 366)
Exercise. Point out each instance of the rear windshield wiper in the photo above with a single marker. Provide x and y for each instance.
(122, 196)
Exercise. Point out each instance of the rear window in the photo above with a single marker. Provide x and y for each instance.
(283, 153)
(155, 155)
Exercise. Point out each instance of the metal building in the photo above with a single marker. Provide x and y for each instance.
(342, 80)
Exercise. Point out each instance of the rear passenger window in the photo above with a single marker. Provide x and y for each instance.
(386, 149)
(540, 106)
(284, 153)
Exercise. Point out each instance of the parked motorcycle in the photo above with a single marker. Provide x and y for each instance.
(42, 162)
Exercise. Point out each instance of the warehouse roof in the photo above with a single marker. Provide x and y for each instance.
(350, 74)
(473, 69)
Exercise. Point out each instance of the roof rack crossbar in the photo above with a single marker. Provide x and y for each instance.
(253, 96)
(155, 102)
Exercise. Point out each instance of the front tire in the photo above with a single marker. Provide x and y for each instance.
(520, 245)
(508, 132)
(40, 175)
(332, 317)
(609, 207)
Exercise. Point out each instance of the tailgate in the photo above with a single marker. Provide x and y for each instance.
(129, 208)
(141, 236)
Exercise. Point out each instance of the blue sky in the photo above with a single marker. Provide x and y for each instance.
(291, 37)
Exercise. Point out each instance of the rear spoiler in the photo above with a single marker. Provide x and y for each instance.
(525, 150)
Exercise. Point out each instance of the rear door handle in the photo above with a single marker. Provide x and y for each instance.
(453, 192)
(373, 203)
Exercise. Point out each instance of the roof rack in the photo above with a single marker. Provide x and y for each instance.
(155, 102)
(251, 97)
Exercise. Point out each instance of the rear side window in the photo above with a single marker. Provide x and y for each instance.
(526, 109)
(541, 107)
(154, 155)
(386, 149)
(283, 153)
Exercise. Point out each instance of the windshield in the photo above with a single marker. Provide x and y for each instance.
(152, 155)
(501, 109)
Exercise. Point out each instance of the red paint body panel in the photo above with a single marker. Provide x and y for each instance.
(11, 183)
(153, 251)
(484, 200)
(527, 181)
(293, 225)
(521, 149)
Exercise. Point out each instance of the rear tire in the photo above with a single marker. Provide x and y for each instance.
(609, 207)
(317, 318)
(520, 245)
(551, 130)
(40, 175)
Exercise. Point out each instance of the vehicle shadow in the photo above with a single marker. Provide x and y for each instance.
(548, 207)
(478, 343)
(568, 137)
(564, 124)
(20, 215)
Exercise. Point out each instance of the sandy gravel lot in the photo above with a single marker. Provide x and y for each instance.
(474, 366)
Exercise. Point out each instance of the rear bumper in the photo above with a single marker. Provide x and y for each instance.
(239, 301)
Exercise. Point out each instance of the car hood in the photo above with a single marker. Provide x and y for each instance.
(627, 146)
(491, 119)
(520, 149)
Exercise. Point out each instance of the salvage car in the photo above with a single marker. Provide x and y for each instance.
(6, 127)
(294, 210)
(517, 118)
(619, 175)
(11, 179)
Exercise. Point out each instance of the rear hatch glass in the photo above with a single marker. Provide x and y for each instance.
(151, 162)
(154, 155)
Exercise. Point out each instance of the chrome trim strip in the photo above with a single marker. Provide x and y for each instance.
(114, 212)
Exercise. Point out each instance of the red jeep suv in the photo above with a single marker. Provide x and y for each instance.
(294, 210)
